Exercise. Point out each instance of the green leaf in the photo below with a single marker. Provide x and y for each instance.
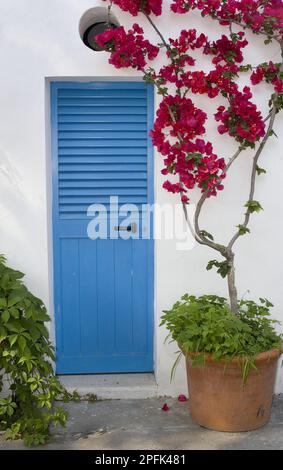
(10, 410)
(14, 312)
(3, 303)
(260, 170)
(29, 313)
(34, 333)
(42, 316)
(206, 234)
(5, 316)
(223, 267)
(16, 297)
(243, 230)
(25, 377)
(175, 365)
(245, 68)
(22, 343)
(33, 387)
(15, 326)
(211, 264)
(162, 91)
(253, 206)
(272, 132)
(13, 339)
(3, 334)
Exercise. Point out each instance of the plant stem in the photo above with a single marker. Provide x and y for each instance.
(241, 25)
(157, 31)
(232, 289)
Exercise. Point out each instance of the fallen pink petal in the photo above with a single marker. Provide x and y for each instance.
(165, 407)
(182, 398)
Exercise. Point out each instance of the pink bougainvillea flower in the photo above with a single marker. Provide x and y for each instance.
(242, 120)
(134, 6)
(182, 398)
(165, 407)
(128, 48)
(262, 16)
(270, 73)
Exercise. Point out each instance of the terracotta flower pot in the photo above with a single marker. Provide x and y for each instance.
(219, 400)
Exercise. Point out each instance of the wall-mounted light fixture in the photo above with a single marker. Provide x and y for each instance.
(95, 21)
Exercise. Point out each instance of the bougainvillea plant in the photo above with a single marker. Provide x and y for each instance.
(180, 126)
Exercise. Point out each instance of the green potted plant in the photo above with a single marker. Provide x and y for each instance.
(231, 359)
(231, 346)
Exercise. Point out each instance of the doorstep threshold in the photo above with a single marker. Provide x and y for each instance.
(112, 386)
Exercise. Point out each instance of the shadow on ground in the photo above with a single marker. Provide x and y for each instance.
(141, 424)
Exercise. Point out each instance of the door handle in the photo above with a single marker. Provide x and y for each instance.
(129, 228)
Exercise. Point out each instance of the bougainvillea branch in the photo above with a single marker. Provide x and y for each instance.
(180, 126)
(157, 31)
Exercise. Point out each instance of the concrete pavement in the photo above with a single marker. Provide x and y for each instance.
(141, 424)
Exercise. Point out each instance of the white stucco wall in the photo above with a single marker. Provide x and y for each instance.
(39, 39)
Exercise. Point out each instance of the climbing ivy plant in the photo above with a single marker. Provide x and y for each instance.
(28, 385)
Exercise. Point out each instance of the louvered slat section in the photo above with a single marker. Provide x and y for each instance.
(102, 148)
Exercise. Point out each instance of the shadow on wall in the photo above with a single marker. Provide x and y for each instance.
(19, 211)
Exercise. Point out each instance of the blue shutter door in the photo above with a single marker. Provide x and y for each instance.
(103, 288)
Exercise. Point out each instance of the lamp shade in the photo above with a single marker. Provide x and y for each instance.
(93, 22)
